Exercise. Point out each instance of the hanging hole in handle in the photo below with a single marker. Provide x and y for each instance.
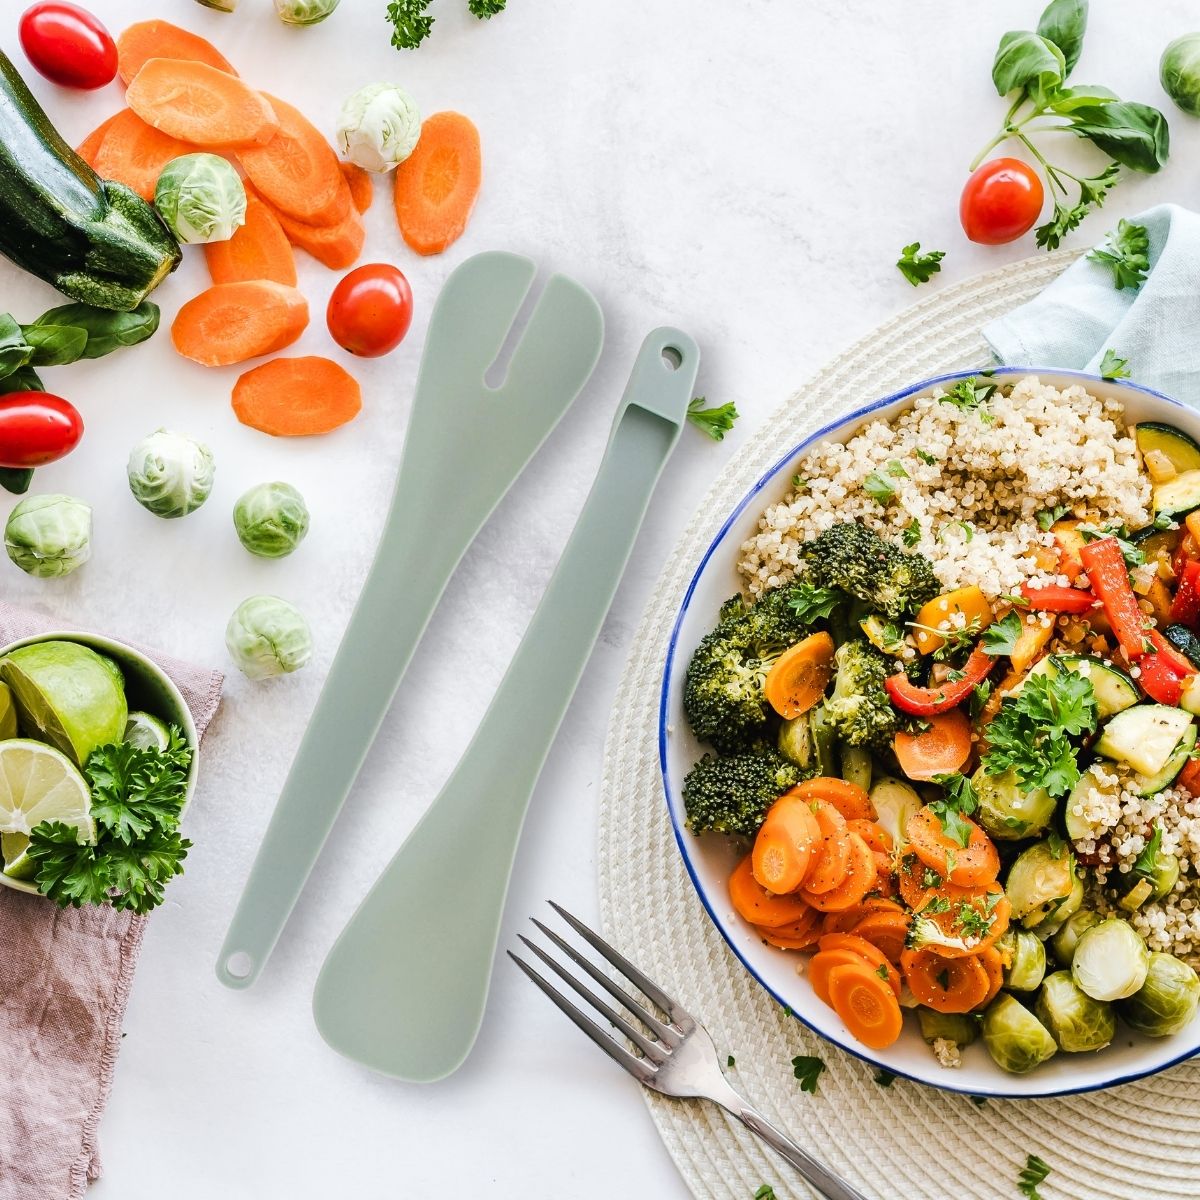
(672, 358)
(239, 965)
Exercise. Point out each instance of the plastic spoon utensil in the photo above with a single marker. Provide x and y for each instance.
(466, 443)
(404, 988)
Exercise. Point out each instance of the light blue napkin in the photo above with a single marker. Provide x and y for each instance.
(1082, 314)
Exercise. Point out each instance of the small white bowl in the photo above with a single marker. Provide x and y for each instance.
(711, 858)
(148, 689)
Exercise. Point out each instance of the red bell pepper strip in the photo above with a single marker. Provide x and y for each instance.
(1179, 662)
(1057, 599)
(1159, 679)
(1185, 608)
(1109, 577)
(929, 701)
(1189, 777)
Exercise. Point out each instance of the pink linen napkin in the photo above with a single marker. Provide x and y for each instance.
(65, 976)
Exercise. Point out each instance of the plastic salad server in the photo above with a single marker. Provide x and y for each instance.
(461, 431)
(404, 988)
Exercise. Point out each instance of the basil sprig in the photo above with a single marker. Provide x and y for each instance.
(71, 332)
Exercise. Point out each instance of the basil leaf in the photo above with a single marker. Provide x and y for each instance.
(1027, 61)
(56, 345)
(25, 379)
(1064, 23)
(15, 351)
(16, 479)
(105, 331)
(1134, 134)
(1067, 100)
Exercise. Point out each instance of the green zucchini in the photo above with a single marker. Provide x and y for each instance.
(1180, 449)
(1177, 496)
(92, 238)
(1185, 641)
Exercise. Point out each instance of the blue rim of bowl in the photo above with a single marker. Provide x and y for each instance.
(684, 840)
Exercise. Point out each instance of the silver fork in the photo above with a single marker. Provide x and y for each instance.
(678, 1058)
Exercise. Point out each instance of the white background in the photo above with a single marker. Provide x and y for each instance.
(746, 169)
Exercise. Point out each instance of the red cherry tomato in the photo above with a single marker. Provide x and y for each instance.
(1001, 201)
(68, 45)
(37, 428)
(370, 310)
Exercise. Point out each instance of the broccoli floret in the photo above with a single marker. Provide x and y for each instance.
(732, 795)
(859, 710)
(857, 560)
(723, 690)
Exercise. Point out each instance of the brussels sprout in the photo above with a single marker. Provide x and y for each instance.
(795, 740)
(379, 127)
(1065, 940)
(1028, 960)
(1056, 918)
(268, 636)
(1076, 1021)
(1007, 812)
(1165, 875)
(1110, 960)
(1015, 1038)
(48, 536)
(1179, 70)
(1042, 877)
(959, 1028)
(304, 12)
(170, 474)
(220, 5)
(895, 801)
(1166, 1002)
(201, 198)
(271, 520)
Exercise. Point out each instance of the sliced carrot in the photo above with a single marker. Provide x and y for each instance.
(362, 190)
(915, 880)
(832, 859)
(231, 322)
(871, 832)
(848, 798)
(866, 1004)
(943, 612)
(976, 917)
(91, 144)
(296, 171)
(257, 250)
(436, 187)
(885, 930)
(145, 40)
(297, 397)
(785, 844)
(971, 865)
(799, 676)
(860, 877)
(201, 104)
(993, 964)
(886, 883)
(134, 153)
(843, 921)
(941, 748)
(337, 246)
(870, 954)
(948, 985)
(797, 935)
(823, 962)
(752, 902)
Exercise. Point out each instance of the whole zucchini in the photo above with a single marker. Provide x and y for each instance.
(92, 238)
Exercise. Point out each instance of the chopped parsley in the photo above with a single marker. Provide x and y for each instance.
(765, 1192)
(969, 395)
(927, 458)
(967, 528)
(884, 1078)
(807, 1068)
(959, 802)
(731, 1062)
(811, 603)
(1049, 516)
(1127, 253)
(980, 697)
(1001, 636)
(716, 422)
(879, 487)
(912, 533)
(1033, 1173)
(1146, 863)
(1112, 366)
(919, 268)
(883, 972)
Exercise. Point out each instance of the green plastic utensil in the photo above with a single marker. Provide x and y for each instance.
(404, 988)
(466, 443)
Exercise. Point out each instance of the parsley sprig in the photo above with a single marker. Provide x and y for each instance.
(960, 801)
(919, 268)
(969, 395)
(1113, 366)
(1034, 1172)
(1146, 863)
(1000, 637)
(1126, 252)
(807, 1068)
(411, 24)
(716, 422)
(811, 603)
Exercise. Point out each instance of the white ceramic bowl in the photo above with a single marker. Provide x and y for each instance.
(148, 689)
(710, 859)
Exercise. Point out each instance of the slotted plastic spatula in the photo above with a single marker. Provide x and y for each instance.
(466, 444)
(404, 988)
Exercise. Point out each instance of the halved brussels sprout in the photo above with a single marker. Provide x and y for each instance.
(1110, 960)
(1166, 1002)
(795, 740)
(1056, 918)
(1065, 940)
(1008, 812)
(1028, 960)
(49, 536)
(1042, 877)
(895, 801)
(960, 1028)
(1076, 1021)
(1015, 1038)
(378, 127)
(201, 198)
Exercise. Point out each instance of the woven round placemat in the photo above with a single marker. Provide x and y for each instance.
(906, 1141)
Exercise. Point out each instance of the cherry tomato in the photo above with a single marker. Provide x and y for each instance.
(37, 428)
(1001, 201)
(68, 45)
(370, 310)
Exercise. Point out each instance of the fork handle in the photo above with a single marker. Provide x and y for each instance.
(815, 1173)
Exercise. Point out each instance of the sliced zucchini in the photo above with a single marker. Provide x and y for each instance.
(1137, 895)
(1190, 700)
(1177, 496)
(1115, 691)
(895, 801)
(1151, 785)
(1182, 450)
(1145, 736)
(1185, 641)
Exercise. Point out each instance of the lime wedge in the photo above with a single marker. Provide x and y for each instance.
(38, 783)
(8, 713)
(17, 864)
(67, 695)
(146, 732)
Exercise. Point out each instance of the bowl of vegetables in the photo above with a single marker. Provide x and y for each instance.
(98, 761)
(928, 730)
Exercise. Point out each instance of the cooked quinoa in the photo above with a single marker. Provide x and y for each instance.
(968, 485)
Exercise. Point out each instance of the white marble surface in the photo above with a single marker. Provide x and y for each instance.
(746, 169)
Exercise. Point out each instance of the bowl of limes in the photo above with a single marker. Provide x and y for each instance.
(98, 760)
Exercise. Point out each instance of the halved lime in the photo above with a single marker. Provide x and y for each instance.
(146, 732)
(39, 783)
(8, 713)
(67, 695)
(17, 864)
